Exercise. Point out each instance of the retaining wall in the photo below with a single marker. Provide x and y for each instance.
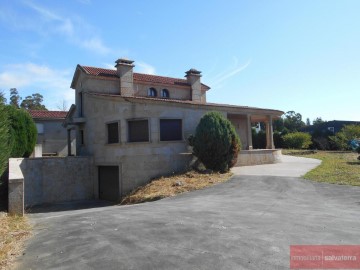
(54, 179)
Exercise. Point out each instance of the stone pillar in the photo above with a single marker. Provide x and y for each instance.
(249, 133)
(269, 134)
(193, 77)
(69, 141)
(16, 188)
(125, 71)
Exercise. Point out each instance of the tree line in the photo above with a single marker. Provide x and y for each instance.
(288, 134)
(33, 102)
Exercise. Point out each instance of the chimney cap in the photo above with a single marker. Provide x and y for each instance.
(124, 61)
(193, 71)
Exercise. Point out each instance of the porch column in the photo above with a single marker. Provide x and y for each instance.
(269, 133)
(69, 141)
(249, 133)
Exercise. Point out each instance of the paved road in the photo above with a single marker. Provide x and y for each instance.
(246, 223)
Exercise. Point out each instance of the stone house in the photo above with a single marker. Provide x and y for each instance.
(135, 126)
(52, 137)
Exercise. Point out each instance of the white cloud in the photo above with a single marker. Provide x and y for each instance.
(31, 78)
(109, 66)
(76, 30)
(145, 68)
(221, 78)
(85, 2)
(44, 12)
(95, 44)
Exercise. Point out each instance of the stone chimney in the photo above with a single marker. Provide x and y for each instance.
(125, 71)
(193, 77)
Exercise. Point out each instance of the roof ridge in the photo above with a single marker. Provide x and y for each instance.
(99, 71)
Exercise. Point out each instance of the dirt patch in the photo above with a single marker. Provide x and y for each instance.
(170, 186)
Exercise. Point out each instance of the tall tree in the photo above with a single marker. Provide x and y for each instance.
(15, 98)
(318, 121)
(308, 121)
(2, 98)
(33, 102)
(293, 121)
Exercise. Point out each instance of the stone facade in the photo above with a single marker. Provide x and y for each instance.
(119, 96)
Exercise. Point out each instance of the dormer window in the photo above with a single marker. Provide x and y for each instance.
(165, 93)
(152, 92)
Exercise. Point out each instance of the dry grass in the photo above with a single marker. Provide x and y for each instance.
(13, 231)
(170, 186)
(341, 168)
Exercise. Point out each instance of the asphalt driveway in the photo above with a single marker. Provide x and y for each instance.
(246, 223)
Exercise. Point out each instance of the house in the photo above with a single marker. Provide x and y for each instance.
(135, 126)
(328, 127)
(52, 136)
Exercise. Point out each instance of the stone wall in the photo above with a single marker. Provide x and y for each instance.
(258, 156)
(55, 179)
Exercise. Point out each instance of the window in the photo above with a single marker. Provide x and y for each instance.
(165, 93)
(331, 129)
(82, 142)
(80, 104)
(152, 92)
(170, 129)
(138, 130)
(113, 132)
(40, 128)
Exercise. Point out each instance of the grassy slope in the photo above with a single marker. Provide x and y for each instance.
(336, 168)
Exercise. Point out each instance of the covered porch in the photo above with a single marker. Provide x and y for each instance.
(243, 126)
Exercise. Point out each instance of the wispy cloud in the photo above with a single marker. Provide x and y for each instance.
(145, 68)
(48, 22)
(232, 71)
(53, 84)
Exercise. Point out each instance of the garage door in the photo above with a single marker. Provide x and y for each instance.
(109, 188)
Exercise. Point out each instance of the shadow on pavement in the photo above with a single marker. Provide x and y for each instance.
(68, 206)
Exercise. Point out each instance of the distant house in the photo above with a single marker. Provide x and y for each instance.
(52, 136)
(331, 127)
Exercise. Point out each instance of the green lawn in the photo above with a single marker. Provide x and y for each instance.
(341, 168)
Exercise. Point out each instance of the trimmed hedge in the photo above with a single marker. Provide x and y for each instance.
(297, 140)
(216, 143)
(4, 139)
(23, 133)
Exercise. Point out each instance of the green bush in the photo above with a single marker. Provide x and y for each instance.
(297, 140)
(258, 139)
(216, 143)
(346, 134)
(23, 132)
(4, 139)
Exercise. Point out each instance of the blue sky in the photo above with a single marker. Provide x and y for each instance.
(289, 55)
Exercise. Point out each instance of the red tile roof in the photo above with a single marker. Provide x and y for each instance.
(140, 77)
(48, 114)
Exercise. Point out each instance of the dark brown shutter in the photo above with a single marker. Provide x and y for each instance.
(138, 131)
(113, 132)
(170, 129)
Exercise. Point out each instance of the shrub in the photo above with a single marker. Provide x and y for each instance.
(23, 132)
(258, 139)
(344, 136)
(216, 143)
(4, 139)
(278, 140)
(297, 140)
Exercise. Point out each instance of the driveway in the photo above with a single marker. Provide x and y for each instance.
(247, 223)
